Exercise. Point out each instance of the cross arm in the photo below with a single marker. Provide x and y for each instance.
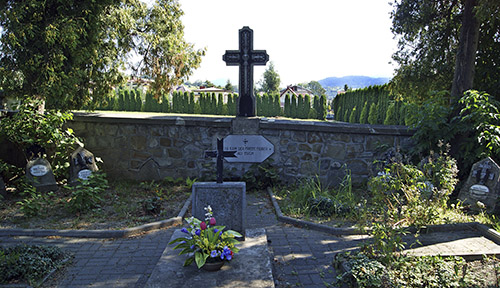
(232, 57)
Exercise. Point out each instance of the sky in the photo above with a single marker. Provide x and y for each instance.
(306, 40)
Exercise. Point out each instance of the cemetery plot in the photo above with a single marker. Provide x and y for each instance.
(122, 205)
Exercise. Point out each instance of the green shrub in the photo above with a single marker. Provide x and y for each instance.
(29, 264)
(373, 114)
(87, 193)
(391, 116)
(260, 176)
(34, 203)
(30, 127)
(352, 117)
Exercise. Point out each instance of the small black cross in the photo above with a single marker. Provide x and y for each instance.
(245, 58)
(220, 154)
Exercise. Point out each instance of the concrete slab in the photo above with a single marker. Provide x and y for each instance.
(469, 244)
(251, 267)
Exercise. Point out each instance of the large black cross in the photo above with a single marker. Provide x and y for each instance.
(220, 154)
(246, 58)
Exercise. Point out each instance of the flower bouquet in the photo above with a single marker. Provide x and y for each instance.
(206, 242)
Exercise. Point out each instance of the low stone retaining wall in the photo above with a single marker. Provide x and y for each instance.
(145, 146)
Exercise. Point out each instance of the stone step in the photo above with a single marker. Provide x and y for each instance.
(251, 267)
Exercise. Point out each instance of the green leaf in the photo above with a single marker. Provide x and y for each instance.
(200, 258)
(189, 261)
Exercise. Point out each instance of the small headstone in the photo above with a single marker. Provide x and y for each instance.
(82, 165)
(228, 202)
(483, 185)
(39, 174)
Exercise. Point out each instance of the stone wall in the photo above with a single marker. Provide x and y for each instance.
(152, 146)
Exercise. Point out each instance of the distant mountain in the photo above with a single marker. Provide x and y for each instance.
(353, 81)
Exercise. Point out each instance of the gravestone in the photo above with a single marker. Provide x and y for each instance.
(39, 174)
(82, 165)
(245, 58)
(482, 185)
(227, 199)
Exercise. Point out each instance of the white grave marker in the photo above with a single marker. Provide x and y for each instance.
(249, 148)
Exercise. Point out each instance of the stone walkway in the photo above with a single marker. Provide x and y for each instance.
(300, 257)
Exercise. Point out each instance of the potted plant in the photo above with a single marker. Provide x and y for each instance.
(207, 244)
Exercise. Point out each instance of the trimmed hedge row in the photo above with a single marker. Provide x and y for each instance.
(215, 104)
(371, 105)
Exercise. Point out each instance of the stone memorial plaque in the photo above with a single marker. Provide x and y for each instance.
(82, 165)
(228, 202)
(482, 185)
(249, 148)
(39, 174)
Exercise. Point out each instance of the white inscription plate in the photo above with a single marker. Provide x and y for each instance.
(249, 148)
(39, 170)
(84, 174)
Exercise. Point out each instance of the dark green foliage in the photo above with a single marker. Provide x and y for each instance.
(300, 107)
(288, 106)
(121, 101)
(213, 104)
(29, 127)
(220, 104)
(352, 117)
(346, 116)
(277, 105)
(29, 264)
(165, 104)
(148, 105)
(260, 176)
(231, 104)
(87, 193)
(373, 114)
(391, 116)
(294, 107)
(363, 118)
(191, 103)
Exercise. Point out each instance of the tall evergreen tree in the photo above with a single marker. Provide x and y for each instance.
(287, 107)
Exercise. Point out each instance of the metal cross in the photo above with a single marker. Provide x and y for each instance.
(220, 154)
(245, 58)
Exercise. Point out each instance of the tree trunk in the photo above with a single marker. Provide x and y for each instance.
(466, 55)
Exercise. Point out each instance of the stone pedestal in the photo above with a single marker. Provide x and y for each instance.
(251, 267)
(228, 202)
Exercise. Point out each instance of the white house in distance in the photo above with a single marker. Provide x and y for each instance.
(294, 90)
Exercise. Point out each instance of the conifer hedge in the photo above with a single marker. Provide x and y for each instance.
(372, 105)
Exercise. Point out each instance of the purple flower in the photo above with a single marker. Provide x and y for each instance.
(229, 257)
(185, 230)
(215, 230)
(193, 247)
(198, 232)
(213, 254)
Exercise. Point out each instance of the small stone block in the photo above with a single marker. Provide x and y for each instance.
(228, 202)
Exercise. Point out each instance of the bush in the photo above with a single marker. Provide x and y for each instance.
(87, 193)
(29, 127)
(29, 263)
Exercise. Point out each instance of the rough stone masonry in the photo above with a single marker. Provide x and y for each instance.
(146, 147)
